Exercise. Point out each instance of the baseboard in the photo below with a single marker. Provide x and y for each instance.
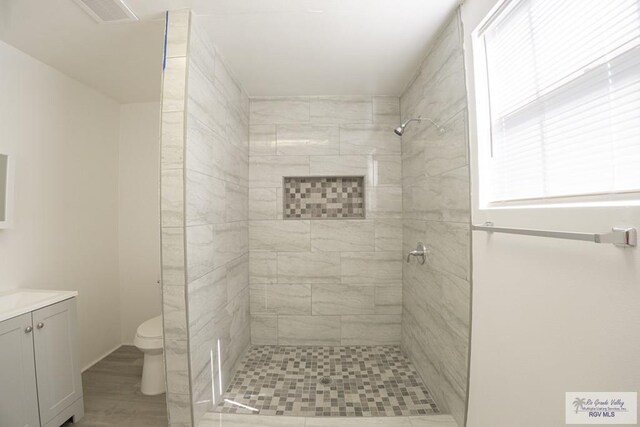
(102, 357)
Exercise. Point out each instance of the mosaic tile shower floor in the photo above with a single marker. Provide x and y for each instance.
(367, 381)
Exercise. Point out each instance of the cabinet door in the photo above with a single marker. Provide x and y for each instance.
(57, 365)
(18, 395)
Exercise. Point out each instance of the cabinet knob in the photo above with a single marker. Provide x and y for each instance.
(28, 329)
(40, 325)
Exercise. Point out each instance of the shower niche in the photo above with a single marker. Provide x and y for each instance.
(323, 197)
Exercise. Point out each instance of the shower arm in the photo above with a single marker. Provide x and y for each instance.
(420, 119)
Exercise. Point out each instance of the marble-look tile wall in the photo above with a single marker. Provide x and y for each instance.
(172, 210)
(216, 219)
(204, 209)
(435, 183)
(325, 282)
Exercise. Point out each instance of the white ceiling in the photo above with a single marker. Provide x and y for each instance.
(123, 61)
(275, 47)
(323, 47)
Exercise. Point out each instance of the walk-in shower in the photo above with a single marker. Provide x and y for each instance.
(400, 129)
(286, 226)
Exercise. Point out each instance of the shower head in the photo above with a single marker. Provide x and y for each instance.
(400, 129)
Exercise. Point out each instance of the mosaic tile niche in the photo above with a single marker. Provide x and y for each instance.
(323, 197)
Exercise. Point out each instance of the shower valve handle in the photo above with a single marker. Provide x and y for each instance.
(420, 251)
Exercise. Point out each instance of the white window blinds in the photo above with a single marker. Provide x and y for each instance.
(563, 84)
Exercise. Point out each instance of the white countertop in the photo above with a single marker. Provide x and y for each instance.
(20, 301)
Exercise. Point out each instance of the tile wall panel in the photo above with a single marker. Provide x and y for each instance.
(172, 212)
(217, 226)
(204, 217)
(435, 190)
(325, 282)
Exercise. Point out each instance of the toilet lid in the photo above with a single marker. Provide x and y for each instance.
(152, 328)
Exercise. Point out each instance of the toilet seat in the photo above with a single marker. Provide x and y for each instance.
(149, 334)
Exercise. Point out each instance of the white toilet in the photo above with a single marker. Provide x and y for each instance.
(149, 340)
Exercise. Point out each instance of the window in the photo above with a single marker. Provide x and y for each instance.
(558, 85)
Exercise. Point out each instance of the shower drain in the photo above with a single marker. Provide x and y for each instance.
(325, 381)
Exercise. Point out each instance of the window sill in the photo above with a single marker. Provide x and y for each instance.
(583, 201)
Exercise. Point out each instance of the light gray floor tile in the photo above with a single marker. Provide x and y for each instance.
(112, 393)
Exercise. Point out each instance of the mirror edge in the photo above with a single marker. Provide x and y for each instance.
(9, 193)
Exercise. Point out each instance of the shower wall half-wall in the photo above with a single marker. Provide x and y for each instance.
(435, 182)
(204, 196)
(236, 272)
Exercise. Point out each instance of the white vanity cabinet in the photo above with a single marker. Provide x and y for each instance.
(18, 393)
(40, 378)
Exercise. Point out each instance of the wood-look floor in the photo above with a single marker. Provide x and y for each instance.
(112, 394)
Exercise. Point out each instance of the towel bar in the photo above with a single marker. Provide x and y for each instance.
(624, 237)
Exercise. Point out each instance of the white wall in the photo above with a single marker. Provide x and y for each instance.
(64, 137)
(139, 215)
(549, 316)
